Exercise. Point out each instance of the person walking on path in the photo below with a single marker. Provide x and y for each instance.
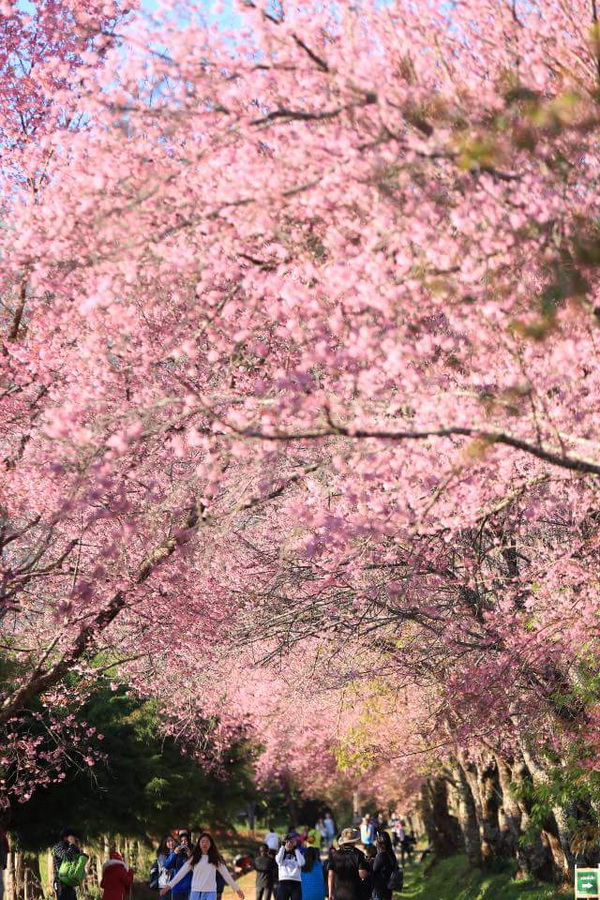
(167, 846)
(117, 878)
(289, 863)
(329, 829)
(68, 850)
(265, 873)
(367, 831)
(313, 880)
(174, 862)
(204, 863)
(400, 832)
(320, 826)
(272, 839)
(383, 865)
(159, 874)
(348, 869)
(408, 842)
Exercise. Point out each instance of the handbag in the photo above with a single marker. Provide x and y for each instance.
(72, 871)
(396, 879)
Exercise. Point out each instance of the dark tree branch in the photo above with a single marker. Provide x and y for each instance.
(561, 460)
(322, 65)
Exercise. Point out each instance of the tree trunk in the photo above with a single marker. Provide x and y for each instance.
(490, 797)
(32, 879)
(140, 859)
(290, 800)
(558, 827)
(9, 879)
(510, 814)
(482, 778)
(467, 815)
(442, 828)
(49, 885)
(18, 879)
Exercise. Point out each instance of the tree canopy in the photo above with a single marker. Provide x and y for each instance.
(298, 372)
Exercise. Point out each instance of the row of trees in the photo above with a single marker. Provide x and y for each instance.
(500, 812)
(299, 383)
(131, 785)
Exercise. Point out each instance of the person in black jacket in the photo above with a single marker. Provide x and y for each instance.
(265, 873)
(348, 871)
(67, 848)
(383, 865)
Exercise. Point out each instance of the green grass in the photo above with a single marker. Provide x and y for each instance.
(452, 879)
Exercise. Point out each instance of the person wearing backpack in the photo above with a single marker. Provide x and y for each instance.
(159, 874)
(348, 871)
(387, 875)
(69, 865)
(117, 878)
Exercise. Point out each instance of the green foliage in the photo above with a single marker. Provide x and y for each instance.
(572, 780)
(452, 879)
(571, 785)
(144, 787)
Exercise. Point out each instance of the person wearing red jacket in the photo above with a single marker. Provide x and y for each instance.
(117, 878)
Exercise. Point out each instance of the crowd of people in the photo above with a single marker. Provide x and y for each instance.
(302, 865)
(184, 871)
(308, 865)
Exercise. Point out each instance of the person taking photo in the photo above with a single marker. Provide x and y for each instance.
(175, 861)
(289, 863)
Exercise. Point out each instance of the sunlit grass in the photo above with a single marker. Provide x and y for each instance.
(453, 880)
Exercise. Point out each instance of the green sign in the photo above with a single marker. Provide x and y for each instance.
(586, 883)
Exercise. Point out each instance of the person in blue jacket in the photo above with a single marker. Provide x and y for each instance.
(173, 863)
(313, 879)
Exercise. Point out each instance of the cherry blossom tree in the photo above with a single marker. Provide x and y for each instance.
(299, 345)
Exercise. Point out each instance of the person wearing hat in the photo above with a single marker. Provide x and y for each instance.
(117, 878)
(348, 868)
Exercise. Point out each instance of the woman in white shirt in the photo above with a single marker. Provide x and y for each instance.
(290, 862)
(204, 863)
